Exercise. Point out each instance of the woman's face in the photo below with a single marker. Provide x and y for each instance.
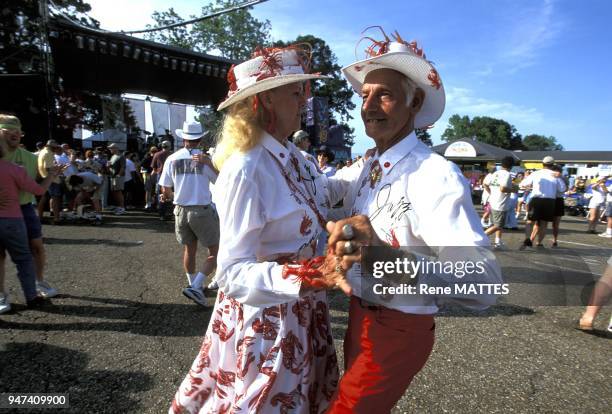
(287, 103)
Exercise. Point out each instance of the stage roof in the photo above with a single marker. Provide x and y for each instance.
(103, 62)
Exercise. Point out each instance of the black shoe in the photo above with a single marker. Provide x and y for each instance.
(36, 303)
(526, 243)
(555, 244)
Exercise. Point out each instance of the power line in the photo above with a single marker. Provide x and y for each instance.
(208, 16)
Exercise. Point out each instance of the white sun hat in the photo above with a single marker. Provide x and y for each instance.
(268, 69)
(192, 130)
(408, 59)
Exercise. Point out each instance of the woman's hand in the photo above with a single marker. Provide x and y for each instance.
(347, 244)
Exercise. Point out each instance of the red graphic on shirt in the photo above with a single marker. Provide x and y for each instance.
(289, 401)
(393, 240)
(305, 225)
(221, 329)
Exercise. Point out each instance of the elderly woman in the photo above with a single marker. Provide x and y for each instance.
(268, 346)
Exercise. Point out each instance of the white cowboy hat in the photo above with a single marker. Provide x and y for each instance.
(407, 59)
(273, 68)
(192, 130)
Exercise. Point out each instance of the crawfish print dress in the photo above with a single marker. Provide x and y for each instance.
(267, 348)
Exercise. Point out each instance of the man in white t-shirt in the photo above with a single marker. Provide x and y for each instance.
(499, 186)
(189, 171)
(544, 187)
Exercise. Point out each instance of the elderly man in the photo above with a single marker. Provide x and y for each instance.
(190, 173)
(406, 196)
(301, 139)
(11, 133)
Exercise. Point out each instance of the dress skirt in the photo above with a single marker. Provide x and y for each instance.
(279, 359)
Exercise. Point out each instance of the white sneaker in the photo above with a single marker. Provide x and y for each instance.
(606, 235)
(195, 295)
(5, 304)
(45, 290)
(213, 285)
(119, 211)
(498, 246)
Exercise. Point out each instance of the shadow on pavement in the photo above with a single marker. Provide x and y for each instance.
(40, 368)
(118, 243)
(120, 315)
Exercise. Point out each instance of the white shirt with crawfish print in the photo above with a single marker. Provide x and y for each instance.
(414, 197)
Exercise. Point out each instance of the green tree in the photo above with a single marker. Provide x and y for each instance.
(485, 129)
(458, 127)
(536, 142)
(233, 35)
(424, 136)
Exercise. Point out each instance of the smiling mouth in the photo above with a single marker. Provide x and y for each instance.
(375, 121)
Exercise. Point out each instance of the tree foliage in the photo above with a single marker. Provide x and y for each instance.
(485, 129)
(536, 142)
(232, 35)
(424, 136)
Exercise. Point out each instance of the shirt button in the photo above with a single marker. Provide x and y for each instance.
(282, 155)
(387, 164)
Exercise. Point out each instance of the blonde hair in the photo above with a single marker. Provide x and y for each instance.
(241, 130)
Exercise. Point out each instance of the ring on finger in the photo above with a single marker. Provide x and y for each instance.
(348, 232)
(349, 247)
(339, 268)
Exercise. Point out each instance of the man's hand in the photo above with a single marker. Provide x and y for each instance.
(57, 169)
(363, 235)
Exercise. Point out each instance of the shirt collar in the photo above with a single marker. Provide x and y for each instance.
(275, 148)
(397, 152)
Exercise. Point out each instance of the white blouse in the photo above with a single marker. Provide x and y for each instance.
(262, 197)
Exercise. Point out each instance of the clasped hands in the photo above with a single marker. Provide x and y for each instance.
(346, 237)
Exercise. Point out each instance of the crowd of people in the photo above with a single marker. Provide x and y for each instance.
(271, 232)
(541, 196)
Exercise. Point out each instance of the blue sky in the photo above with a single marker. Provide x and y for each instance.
(542, 65)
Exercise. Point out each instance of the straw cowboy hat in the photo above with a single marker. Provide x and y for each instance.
(408, 59)
(192, 130)
(268, 69)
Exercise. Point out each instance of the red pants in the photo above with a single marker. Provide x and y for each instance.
(383, 350)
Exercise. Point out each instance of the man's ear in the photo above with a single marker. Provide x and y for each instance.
(417, 100)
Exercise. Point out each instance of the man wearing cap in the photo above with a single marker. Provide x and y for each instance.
(190, 173)
(544, 187)
(325, 158)
(116, 168)
(46, 161)
(157, 165)
(301, 139)
(406, 196)
(10, 131)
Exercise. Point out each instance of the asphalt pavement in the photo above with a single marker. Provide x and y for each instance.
(121, 336)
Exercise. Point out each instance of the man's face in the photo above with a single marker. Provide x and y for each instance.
(12, 137)
(385, 114)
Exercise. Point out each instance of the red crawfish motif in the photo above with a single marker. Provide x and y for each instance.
(289, 346)
(223, 379)
(321, 320)
(296, 166)
(231, 79)
(306, 272)
(196, 392)
(393, 240)
(288, 401)
(380, 47)
(265, 326)
(301, 309)
(203, 358)
(434, 78)
(221, 329)
(243, 364)
(305, 225)
(260, 398)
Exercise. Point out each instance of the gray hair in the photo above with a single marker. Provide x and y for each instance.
(410, 88)
(300, 136)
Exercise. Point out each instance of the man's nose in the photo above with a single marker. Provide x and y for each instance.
(370, 103)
